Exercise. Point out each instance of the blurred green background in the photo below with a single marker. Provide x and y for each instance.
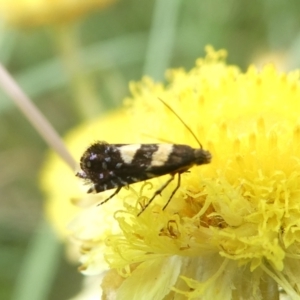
(76, 66)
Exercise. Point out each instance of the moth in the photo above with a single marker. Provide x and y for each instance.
(113, 166)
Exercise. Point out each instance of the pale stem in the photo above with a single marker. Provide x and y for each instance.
(35, 117)
(269, 288)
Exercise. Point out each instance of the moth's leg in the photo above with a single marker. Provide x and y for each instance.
(175, 190)
(158, 192)
(111, 196)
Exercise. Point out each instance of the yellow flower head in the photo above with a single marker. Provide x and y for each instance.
(40, 12)
(231, 231)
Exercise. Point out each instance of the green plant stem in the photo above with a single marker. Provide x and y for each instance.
(86, 98)
(161, 38)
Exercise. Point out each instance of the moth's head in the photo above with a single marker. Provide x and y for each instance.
(86, 171)
(202, 156)
(87, 163)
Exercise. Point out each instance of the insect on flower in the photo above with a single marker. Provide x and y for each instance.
(113, 166)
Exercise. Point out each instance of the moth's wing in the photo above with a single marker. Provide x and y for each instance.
(129, 164)
(174, 159)
(132, 163)
(111, 179)
(110, 166)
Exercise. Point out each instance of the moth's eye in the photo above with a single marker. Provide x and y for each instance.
(88, 164)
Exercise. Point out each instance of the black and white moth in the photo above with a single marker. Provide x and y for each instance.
(113, 166)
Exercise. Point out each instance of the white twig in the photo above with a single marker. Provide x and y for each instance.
(35, 117)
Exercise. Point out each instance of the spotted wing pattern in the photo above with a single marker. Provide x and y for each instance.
(110, 166)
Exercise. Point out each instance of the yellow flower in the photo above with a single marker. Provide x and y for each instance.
(40, 12)
(232, 230)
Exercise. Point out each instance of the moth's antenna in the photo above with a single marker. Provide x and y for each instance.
(186, 126)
